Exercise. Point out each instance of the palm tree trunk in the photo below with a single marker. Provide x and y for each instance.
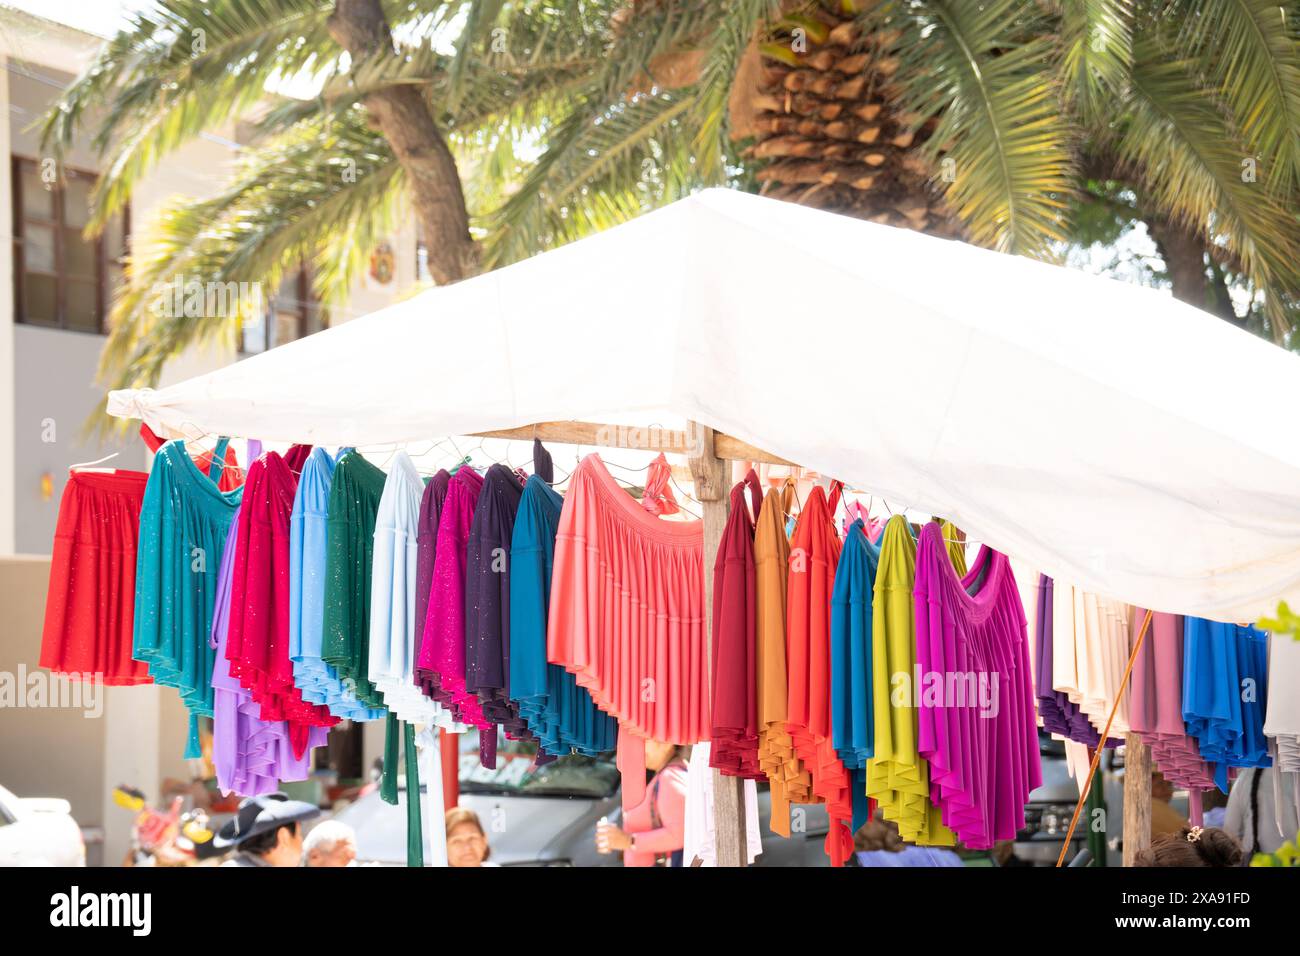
(1184, 252)
(402, 115)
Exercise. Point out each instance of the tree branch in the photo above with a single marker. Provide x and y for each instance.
(401, 114)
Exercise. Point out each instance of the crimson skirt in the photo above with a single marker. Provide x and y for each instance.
(89, 611)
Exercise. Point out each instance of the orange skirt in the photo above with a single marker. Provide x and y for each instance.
(627, 616)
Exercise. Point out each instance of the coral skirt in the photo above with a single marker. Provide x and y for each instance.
(90, 608)
(627, 616)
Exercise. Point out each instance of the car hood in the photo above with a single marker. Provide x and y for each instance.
(522, 829)
(519, 829)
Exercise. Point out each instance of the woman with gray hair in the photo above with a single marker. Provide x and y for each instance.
(330, 843)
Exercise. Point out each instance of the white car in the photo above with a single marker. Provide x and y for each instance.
(39, 831)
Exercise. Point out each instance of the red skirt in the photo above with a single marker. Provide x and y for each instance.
(89, 610)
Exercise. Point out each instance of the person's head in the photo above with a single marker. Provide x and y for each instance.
(331, 843)
(467, 843)
(281, 846)
(1193, 846)
(878, 834)
(1161, 789)
(269, 826)
(658, 754)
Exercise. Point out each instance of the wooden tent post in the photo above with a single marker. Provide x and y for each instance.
(1137, 797)
(711, 479)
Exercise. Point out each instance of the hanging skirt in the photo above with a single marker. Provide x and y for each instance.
(898, 777)
(1225, 685)
(815, 552)
(977, 728)
(258, 642)
(318, 681)
(183, 526)
(853, 730)
(426, 540)
(89, 610)
(350, 543)
(627, 616)
(393, 599)
(1156, 703)
(251, 755)
(487, 600)
(789, 779)
(560, 714)
(734, 704)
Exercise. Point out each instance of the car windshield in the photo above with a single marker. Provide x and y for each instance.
(515, 774)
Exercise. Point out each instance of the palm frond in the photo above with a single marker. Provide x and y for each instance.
(1187, 155)
(319, 194)
(181, 67)
(1096, 53)
(986, 72)
(737, 25)
(1252, 53)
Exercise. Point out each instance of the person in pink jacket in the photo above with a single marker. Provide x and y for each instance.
(653, 830)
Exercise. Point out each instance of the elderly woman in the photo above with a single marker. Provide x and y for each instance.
(331, 843)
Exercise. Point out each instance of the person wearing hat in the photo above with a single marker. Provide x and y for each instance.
(267, 831)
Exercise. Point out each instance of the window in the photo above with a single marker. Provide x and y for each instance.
(62, 279)
(292, 313)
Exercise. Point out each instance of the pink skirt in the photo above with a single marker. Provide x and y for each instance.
(627, 616)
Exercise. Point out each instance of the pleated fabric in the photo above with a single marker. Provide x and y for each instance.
(1059, 714)
(251, 756)
(898, 777)
(1282, 720)
(956, 550)
(1156, 703)
(852, 720)
(627, 616)
(317, 680)
(1225, 694)
(976, 726)
(487, 600)
(790, 782)
(426, 538)
(184, 519)
(734, 733)
(561, 714)
(1098, 630)
(89, 611)
(393, 590)
(814, 555)
(257, 646)
(441, 664)
(350, 543)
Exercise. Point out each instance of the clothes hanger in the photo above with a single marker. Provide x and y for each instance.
(97, 461)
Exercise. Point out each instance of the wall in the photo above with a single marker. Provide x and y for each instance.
(45, 752)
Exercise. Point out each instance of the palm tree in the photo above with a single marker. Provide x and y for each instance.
(510, 126)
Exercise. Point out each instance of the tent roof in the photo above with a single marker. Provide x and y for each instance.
(1106, 433)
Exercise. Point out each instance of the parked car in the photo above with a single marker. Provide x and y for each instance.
(39, 831)
(1050, 807)
(547, 816)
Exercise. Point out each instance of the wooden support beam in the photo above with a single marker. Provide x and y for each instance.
(711, 488)
(1137, 797)
(668, 440)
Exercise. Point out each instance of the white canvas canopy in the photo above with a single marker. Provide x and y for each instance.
(1108, 434)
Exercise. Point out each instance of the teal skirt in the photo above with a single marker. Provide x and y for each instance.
(183, 527)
